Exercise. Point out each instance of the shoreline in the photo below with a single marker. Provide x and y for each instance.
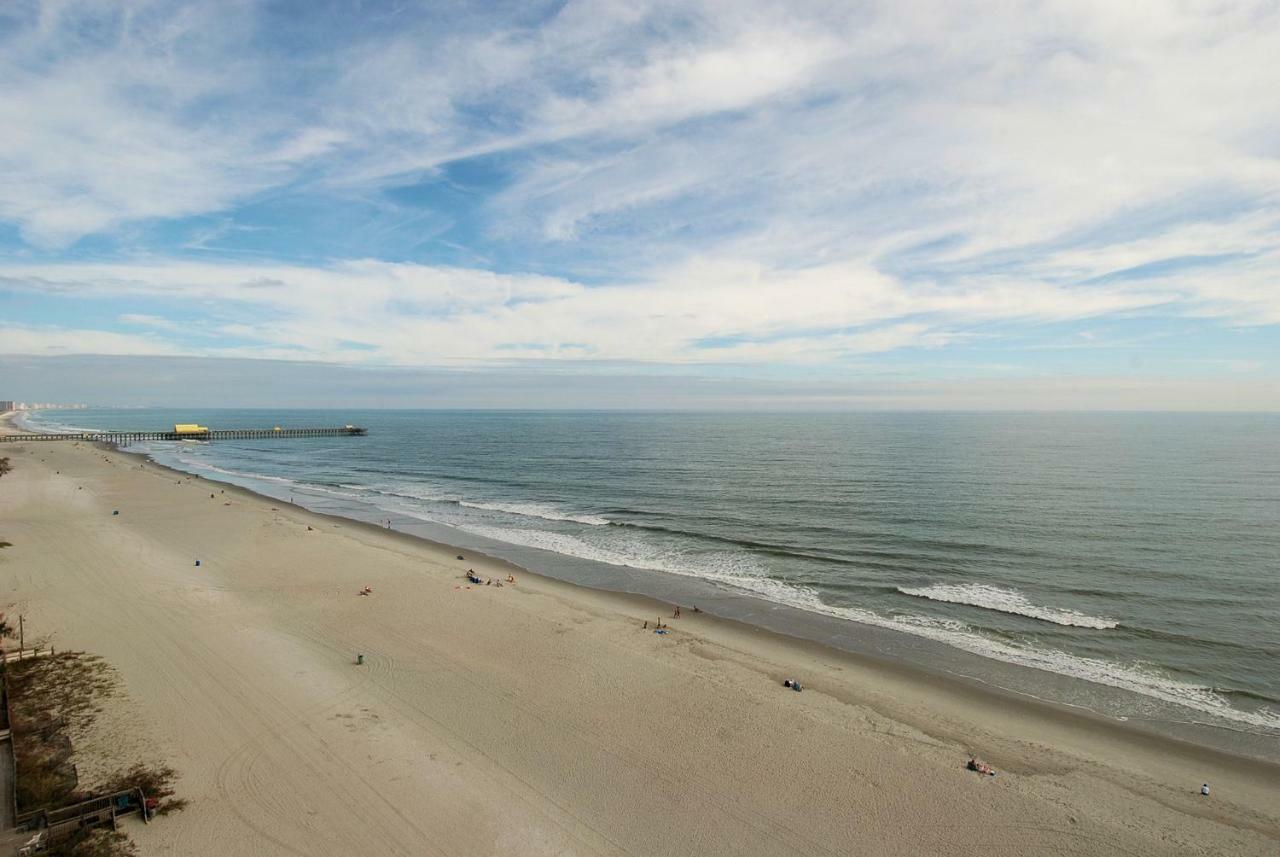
(645, 605)
(1155, 708)
(1042, 749)
(1221, 738)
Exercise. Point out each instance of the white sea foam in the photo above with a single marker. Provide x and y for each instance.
(414, 491)
(741, 572)
(213, 468)
(29, 421)
(1137, 678)
(1005, 601)
(293, 484)
(630, 552)
(433, 494)
(537, 510)
(745, 573)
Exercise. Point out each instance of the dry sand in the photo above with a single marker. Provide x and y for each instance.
(539, 718)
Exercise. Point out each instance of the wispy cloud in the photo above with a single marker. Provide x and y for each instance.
(707, 311)
(693, 182)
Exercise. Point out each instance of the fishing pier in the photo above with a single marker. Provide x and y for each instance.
(188, 432)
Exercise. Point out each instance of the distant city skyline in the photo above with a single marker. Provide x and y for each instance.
(12, 405)
(653, 204)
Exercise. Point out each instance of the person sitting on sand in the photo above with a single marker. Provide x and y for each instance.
(510, 579)
(981, 767)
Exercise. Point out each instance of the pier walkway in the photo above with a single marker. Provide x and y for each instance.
(210, 434)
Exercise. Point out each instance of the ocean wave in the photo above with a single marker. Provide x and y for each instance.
(740, 572)
(432, 494)
(536, 510)
(213, 468)
(45, 425)
(1136, 678)
(1005, 601)
(743, 571)
(772, 548)
(425, 493)
(718, 566)
(1247, 694)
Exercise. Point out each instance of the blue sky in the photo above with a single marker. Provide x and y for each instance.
(957, 204)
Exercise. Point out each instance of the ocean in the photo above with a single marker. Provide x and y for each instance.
(1125, 563)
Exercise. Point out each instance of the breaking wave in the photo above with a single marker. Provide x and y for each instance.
(536, 510)
(1005, 601)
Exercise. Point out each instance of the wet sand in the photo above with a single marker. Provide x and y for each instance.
(540, 717)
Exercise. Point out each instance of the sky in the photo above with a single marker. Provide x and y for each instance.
(723, 204)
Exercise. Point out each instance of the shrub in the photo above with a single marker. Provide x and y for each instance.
(97, 843)
(155, 782)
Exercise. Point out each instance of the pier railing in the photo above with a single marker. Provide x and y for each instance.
(211, 434)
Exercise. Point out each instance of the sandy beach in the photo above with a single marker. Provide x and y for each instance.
(538, 717)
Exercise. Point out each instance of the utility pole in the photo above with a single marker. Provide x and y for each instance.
(20, 637)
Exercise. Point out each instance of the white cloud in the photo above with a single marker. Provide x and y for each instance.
(50, 341)
(144, 320)
(707, 311)
(1010, 125)
(752, 182)
(118, 113)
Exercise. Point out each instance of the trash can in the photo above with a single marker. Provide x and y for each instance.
(359, 659)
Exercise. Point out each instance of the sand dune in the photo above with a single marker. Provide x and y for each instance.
(540, 718)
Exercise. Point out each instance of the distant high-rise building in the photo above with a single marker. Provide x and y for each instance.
(7, 405)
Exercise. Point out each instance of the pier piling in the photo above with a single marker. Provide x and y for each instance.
(210, 434)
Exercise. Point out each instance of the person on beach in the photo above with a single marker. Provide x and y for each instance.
(676, 614)
(981, 767)
(1204, 790)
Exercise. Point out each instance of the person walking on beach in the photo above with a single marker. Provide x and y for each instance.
(676, 614)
